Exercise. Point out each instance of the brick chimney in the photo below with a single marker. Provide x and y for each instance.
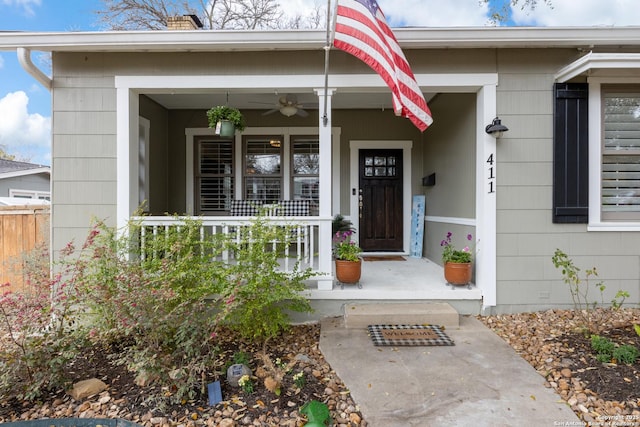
(184, 22)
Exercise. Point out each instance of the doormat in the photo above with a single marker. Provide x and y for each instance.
(408, 335)
(384, 258)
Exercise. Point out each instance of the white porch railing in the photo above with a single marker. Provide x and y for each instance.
(306, 241)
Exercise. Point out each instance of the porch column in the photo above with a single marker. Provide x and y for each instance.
(126, 154)
(325, 281)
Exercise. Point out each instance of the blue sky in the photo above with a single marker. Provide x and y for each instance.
(25, 105)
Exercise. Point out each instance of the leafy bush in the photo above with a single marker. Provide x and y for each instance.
(607, 351)
(162, 299)
(40, 321)
(602, 345)
(626, 354)
(579, 289)
(256, 293)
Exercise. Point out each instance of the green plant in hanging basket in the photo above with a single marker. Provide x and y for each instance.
(223, 112)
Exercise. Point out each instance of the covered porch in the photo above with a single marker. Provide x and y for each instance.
(385, 277)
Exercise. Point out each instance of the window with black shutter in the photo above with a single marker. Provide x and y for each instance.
(571, 154)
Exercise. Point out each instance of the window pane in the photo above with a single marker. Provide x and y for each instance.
(306, 158)
(263, 168)
(214, 176)
(305, 170)
(622, 121)
(262, 188)
(262, 158)
(621, 154)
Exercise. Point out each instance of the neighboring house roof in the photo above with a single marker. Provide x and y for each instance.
(11, 168)
(272, 40)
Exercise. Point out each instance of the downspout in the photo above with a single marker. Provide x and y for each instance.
(24, 57)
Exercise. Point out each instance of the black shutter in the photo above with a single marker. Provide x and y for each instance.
(571, 153)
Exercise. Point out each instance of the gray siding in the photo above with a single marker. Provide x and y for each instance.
(84, 155)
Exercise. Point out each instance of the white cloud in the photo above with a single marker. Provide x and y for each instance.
(21, 133)
(434, 13)
(425, 13)
(567, 13)
(456, 13)
(26, 5)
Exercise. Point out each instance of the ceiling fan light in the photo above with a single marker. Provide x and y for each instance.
(288, 110)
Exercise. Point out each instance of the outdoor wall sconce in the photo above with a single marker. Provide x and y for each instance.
(496, 129)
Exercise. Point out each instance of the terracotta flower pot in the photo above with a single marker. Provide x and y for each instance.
(348, 271)
(457, 273)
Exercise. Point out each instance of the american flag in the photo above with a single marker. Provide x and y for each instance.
(361, 30)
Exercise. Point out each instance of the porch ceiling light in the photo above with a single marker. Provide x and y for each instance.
(289, 110)
(496, 128)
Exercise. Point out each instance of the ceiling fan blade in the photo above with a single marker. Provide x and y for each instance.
(302, 113)
(270, 111)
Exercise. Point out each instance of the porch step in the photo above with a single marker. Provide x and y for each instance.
(434, 313)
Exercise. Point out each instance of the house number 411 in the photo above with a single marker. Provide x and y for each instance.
(492, 177)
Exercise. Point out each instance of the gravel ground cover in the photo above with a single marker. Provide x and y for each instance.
(555, 344)
(601, 393)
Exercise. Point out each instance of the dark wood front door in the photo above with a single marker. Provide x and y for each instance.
(380, 200)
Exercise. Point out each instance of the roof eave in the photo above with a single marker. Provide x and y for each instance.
(246, 40)
(25, 172)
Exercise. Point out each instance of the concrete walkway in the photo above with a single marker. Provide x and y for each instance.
(480, 381)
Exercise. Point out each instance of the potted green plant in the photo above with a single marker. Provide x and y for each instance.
(340, 223)
(225, 120)
(347, 257)
(457, 262)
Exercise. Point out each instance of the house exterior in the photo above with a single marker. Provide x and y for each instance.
(129, 126)
(23, 182)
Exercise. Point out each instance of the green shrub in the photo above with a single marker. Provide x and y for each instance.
(579, 288)
(602, 345)
(626, 354)
(165, 297)
(155, 295)
(257, 295)
(40, 321)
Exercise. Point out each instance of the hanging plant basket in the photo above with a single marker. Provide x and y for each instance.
(225, 120)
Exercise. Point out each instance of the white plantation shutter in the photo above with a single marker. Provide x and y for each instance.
(214, 176)
(621, 153)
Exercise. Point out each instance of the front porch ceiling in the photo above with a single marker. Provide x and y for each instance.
(266, 100)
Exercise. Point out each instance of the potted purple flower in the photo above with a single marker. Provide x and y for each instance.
(457, 262)
(347, 257)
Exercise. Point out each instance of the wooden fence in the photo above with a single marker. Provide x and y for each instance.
(22, 228)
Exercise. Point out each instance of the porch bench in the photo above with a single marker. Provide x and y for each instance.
(283, 208)
(280, 208)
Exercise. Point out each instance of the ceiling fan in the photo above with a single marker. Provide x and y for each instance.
(288, 106)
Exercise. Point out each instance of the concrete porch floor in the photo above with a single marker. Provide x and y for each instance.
(411, 280)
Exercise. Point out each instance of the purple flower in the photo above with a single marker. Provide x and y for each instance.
(469, 237)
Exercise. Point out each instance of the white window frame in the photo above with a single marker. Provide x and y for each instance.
(285, 132)
(30, 194)
(596, 223)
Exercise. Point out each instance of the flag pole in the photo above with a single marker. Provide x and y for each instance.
(327, 48)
